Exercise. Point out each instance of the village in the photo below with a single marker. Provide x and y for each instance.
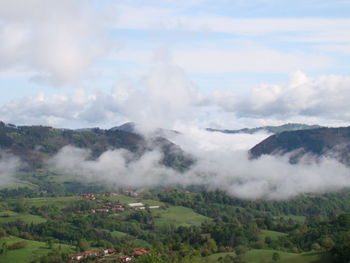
(105, 206)
(99, 254)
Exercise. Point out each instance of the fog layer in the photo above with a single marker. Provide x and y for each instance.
(221, 163)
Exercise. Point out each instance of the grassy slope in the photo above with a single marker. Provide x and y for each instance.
(265, 256)
(10, 216)
(16, 183)
(128, 199)
(134, 240)
(272, 234)
(262, 256)
(215, 257)
(34, 249)
(60, 202)
(178, 216)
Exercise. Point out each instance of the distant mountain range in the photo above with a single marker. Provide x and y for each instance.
(34, 144)
(332, 142)
(269, 129)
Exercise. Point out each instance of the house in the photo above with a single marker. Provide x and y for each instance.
(125, 258)
(139, 252)
(84, 254)
(91, 253)
(133, 205)
(107, 252)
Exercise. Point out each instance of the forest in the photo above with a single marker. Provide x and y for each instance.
(174, 225)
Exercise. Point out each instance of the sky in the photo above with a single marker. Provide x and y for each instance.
(160, 63)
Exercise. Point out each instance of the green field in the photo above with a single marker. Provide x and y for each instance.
(60, 202)
(124, 199)
(16, 183)
(215, 257)
(265, 256)
(34, 249)
(10, 216)
(178, 216)
(119, 234)
(272, 234)
(133, 240)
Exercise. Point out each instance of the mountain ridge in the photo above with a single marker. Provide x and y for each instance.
(330, 142)
(34, 144)
(269, 129)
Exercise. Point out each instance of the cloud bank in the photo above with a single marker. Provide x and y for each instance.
(165, 97)
(314, 97)
(9, 164)
(222, 163)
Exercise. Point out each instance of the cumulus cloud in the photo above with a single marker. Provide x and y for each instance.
(324, 96)
(160, 98)
(57, 40)
(221, 163)
(9, 164)
(166, 95)
(76, 108)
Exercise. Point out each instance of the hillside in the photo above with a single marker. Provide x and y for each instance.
(269, 129)
(333, 142)
(34, 144)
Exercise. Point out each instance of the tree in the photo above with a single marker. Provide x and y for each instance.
(50, 243)
(327, 242)
(276, 256)
(83, 245)
(2, 233)
(4, 248)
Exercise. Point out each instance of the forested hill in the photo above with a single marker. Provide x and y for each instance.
(322, 141)
(35, 143)
(269, 129)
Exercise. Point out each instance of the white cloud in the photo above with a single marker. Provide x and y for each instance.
(164, 95)
(324, 96)
(9, 164)
(73, 109)
(56, 39)
(242, 57)
(220, 165)
(167, 95)
(157, 18)
(248, 59)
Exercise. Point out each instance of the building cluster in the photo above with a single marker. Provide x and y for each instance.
(141, 206)
(92, 253)
(109, 207)
(102, 253)
(105, 206)
(136, 253)
(91, 197)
